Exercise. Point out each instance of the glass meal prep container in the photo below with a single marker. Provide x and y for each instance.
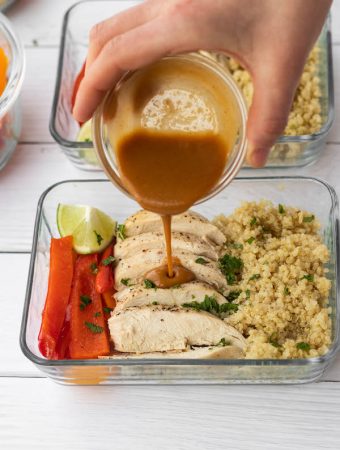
(305, 193)
(10, 111)
(290, 151)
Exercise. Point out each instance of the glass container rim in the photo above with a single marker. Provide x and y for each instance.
(40, 361)
(17, 66)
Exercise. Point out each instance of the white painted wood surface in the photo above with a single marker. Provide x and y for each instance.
(35, 413)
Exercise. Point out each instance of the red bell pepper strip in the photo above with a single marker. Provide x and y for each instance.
(58, 294)
(88, 328)
(104, 278)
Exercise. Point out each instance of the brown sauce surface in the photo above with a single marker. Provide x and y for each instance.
(172, 128)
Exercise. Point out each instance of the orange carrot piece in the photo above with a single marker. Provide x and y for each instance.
(58, 294)
(3, 70)
(88, 327)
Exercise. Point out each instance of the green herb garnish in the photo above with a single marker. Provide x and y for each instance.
(233, 295)
(253, 221)
(228, 307)
(121, 234)
(94, 268)
(97, 314)
(155, 303)
(125, 281)
(281, 209)
(98, 237)
(308, 219)
(231, 267)
(201, 261)
(308, 277)
(250, 240)
(256, 276)
(223, 343)
(109, 260)
(303, 346)
(85, 300)
(237, 246)
(107, 310)
(95, 329)
(87, 140)
(247, 293)
(211, 305)
(286, 291)
(273, 340)
(149, 284)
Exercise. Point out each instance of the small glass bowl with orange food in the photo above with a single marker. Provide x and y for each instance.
(12, 66)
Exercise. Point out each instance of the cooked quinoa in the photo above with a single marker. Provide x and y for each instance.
(305, 115)
(283, 305)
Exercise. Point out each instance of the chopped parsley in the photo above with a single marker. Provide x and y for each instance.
(281, 209)
(87, 140)
(121, 233)
(303, 346)
(231, 267)
(85, 300)
(210, 304)
(107, 310)
(201, 261)
(109, 260)
(95, 329)
(223, 343)
(237, 246)
(273, 340)
(308, 219)
(248, 293)
(94, 268)
(253, 221)
(149, 284)
(97, 314)
(233, 295)
(308, 277)
(98, 237)
(155, 303)
(256, 276)
(125, 281)
(250, 240)
(286, 291)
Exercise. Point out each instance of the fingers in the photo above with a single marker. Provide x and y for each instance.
(121, 23)
(129, 51)
(273, 96)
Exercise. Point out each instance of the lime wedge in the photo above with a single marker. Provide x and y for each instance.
(92, 230)
(85, 135)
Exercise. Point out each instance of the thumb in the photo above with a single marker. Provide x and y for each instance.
(273, 95)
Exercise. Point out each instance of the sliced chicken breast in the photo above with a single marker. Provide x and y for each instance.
(134, 268)
(211, 352)
(180, 241)
(155, 329)
(186, 293)
(188, 222)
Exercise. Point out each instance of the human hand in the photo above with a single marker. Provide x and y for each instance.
(271, 39)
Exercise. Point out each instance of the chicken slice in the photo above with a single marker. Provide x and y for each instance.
(134, 268)
(186, 293)
(157, 329)
(210, 352)
(188, 222)
(193, 291)
(180, 241)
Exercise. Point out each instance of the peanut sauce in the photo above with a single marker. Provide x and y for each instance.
(172, 128)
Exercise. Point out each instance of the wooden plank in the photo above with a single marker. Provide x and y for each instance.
(32, 169)
(36, 414)
(37, 94)
(12, 294)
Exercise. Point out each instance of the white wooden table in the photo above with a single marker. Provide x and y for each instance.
(35, 413)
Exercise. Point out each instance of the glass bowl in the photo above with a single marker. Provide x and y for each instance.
(238, 114)
(290, 151)
(305, 193)
(10, 112)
